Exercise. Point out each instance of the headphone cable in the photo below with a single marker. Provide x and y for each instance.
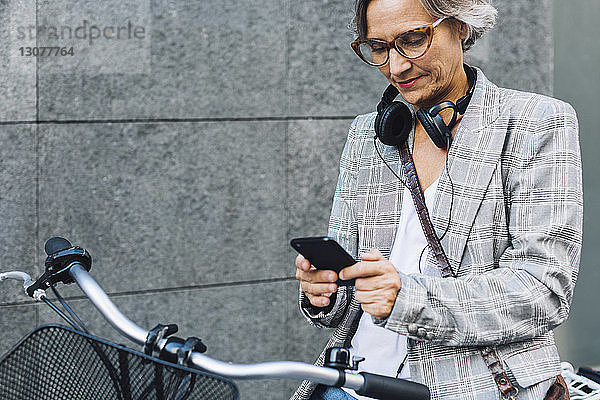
(451, 189)
(394, 172)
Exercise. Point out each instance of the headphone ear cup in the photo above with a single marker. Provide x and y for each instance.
(394, 123)
(437, 133)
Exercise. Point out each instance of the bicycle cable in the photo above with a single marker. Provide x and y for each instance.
(60, 312)
(72, 313)
(80, 326)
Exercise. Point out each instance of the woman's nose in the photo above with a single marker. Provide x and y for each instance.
(398, 64)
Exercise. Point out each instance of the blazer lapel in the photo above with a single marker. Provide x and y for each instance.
(472, 159)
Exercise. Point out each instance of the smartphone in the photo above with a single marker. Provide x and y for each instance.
(325, 253)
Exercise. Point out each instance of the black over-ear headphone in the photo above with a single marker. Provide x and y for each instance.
(395, 120)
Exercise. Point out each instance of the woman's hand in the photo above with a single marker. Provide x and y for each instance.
(377, 283)
(318, 285)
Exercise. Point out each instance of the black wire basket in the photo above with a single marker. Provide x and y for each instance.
(59, 363)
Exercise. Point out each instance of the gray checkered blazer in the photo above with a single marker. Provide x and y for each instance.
(514, 241)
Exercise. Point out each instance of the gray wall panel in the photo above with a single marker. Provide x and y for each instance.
(18, 82)
(325, 76)
(195, 59)
(185, 72)
(578, 82)
(18, 204)
(518, 52)
(16, 322)
(314, 149)
(179, 204)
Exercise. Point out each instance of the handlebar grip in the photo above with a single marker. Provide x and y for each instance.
(386, 388)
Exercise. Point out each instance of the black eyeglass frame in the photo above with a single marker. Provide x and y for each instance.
(428, 29)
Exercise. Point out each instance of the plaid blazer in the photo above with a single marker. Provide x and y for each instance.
(512, 200)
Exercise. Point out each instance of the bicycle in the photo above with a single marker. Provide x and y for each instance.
(58, 362)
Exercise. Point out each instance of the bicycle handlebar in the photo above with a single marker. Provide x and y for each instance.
(107, 308)
(138, 335)
(386, 388)
(366, 384)
(18, 276)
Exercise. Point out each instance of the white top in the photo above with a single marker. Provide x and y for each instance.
(383, 349)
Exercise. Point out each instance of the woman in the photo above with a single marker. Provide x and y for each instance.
(506, 200)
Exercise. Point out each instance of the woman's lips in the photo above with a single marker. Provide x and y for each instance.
(409, 82)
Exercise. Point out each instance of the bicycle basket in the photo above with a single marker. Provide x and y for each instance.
(59, 363)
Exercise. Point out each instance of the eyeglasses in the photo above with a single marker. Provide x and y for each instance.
(411, 44)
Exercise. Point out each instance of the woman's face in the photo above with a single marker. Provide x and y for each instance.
(437, 75)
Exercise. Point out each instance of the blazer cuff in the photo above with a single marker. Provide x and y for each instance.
(381, 322)
(324, 317)
(412, 314)
(314, 311)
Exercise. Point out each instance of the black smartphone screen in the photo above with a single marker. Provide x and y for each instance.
(325, 253)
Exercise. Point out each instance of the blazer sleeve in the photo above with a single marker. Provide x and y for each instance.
(531, 290)
(343, 228)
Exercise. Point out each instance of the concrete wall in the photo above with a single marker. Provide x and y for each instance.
(186, 153)
(578, 82)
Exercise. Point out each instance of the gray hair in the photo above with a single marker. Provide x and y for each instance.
(478, 16)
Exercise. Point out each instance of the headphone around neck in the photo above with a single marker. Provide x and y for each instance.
(395, 120)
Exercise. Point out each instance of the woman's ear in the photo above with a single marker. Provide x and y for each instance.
(463, 30)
